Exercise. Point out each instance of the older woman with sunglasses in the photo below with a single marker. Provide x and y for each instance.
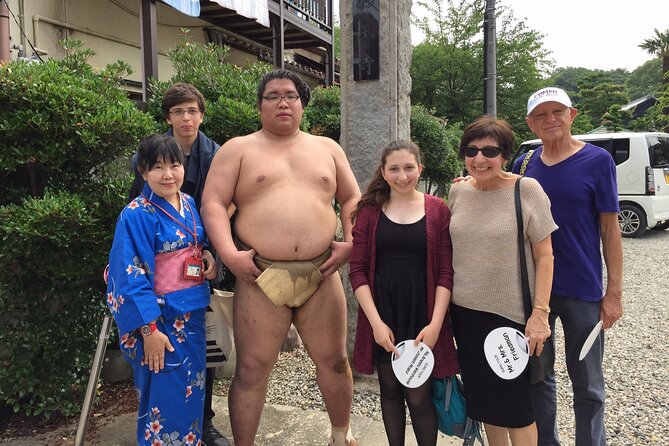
(486, 283)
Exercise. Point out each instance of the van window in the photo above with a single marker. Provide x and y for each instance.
(658, 149)
(618, 148)
(605, 144)
(621, 150)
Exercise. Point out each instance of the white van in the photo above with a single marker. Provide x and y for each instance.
(642, 166)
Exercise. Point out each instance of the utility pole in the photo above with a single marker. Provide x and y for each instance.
(489, 60)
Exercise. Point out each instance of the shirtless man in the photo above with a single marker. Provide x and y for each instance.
(282, 182)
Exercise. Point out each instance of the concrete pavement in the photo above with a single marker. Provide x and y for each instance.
(279, 426)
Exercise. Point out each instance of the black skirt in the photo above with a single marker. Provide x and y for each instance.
(490, 399)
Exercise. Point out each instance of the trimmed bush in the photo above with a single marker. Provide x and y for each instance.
(438, 144)
(323, 113)
(67, 132)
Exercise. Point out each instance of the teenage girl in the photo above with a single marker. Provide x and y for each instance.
(401, 273)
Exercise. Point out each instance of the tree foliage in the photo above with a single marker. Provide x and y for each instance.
(445, 66)
(597, 93)
(646, 79)
(658, 45)
(616, 120)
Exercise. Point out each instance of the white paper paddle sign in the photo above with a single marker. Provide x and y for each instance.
(506, 350)
(592, 337)
(414, 364)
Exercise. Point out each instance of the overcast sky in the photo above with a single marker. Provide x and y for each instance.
(589, 33)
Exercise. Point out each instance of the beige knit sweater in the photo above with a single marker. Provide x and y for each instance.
(486, 263)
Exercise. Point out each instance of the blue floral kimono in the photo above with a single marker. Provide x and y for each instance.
(170, 402)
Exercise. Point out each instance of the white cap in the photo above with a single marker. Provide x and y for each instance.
(548, 94)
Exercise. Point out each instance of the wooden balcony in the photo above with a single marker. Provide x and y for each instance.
(295, 24)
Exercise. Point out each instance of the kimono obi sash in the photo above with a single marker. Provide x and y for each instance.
(168, 275)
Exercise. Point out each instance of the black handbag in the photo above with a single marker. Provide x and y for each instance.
(540, 366)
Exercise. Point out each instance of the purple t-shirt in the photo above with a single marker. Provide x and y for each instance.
(579, 188)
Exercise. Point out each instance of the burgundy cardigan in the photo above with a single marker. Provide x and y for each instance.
(439, 272)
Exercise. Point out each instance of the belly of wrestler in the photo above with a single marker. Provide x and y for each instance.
(300, 226)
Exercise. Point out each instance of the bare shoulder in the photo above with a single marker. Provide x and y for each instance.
(235, 147)
(323, 142)
(239, 143)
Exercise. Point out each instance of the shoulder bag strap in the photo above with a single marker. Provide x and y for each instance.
(523, 166)
(524, 282)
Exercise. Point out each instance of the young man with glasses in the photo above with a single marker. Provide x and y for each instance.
(183, 107)
(283, 182)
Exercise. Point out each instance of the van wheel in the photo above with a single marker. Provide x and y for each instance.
(661, 226)
(632, 220)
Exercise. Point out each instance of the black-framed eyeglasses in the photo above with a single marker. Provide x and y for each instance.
(488, 151)
(275, 98)
(180, 112)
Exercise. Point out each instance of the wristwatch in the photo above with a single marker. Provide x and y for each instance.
(545, 308)
(147, 329)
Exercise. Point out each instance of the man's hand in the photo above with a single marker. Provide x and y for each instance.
(242, 266)
(460, 179)
(611, 311)
(340, 254)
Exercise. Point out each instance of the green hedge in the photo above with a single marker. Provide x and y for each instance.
(68, 130)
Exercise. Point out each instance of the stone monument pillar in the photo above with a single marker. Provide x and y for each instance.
(375, 87)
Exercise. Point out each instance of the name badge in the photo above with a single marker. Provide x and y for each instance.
(193, 268)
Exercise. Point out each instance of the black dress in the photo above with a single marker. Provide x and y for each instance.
(400, 280)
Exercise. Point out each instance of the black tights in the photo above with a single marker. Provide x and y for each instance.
(421, 409)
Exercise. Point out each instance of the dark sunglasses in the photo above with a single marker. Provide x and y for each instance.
(488, 151)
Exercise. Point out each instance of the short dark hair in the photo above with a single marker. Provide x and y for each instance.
(178, 94)
(302, 87)
(489, 127)
(155, 148)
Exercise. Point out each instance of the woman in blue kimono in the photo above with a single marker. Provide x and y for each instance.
(158, 296)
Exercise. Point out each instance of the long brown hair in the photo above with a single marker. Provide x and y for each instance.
(378, 190)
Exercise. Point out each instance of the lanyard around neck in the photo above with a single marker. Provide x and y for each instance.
(187, 207)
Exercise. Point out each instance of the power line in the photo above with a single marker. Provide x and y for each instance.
(35, 52)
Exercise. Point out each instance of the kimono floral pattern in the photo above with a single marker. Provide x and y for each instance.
(155, 435)
(197, 383)
(179, 328)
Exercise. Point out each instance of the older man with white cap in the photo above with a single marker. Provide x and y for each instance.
(580, 180)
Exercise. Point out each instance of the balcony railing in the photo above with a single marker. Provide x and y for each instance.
(315, 12)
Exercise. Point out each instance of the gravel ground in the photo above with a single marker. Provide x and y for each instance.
(636, 359)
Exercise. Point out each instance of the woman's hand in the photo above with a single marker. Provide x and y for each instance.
(428, 335)
(537, 331)
(210, 263)
(384, 336)
(154, 350)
